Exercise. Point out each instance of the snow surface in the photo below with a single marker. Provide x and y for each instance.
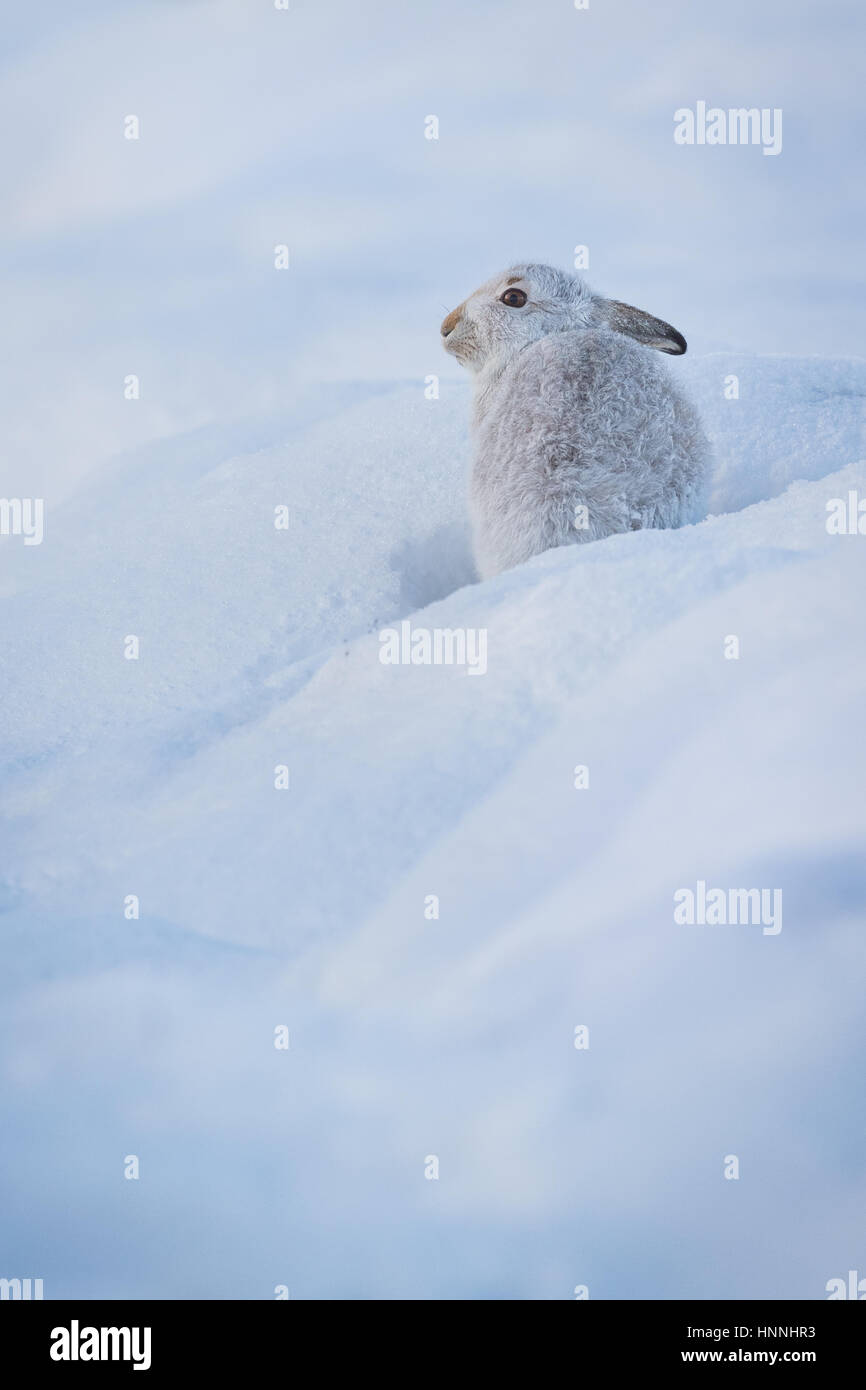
(452, 1037)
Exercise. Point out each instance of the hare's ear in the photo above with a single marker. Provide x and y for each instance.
(644, 328)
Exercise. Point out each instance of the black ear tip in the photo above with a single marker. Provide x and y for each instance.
(671, 342)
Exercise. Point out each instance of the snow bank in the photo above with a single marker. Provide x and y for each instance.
(414, 1035)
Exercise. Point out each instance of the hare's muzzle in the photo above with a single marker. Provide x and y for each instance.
(451, 321)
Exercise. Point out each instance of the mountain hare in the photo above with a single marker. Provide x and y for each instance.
(580, 432)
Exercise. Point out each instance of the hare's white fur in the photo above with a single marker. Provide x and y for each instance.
(580, 431)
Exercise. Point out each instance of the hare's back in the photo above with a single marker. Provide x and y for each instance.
(574, 400)
(586, 373)
(585, 435)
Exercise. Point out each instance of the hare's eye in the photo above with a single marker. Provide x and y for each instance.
(515, 299)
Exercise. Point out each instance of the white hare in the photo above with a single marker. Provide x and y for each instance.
(580, 431)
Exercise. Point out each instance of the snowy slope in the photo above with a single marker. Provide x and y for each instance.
(452, 1036)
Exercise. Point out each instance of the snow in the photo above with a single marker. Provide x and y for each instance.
(454, 1036)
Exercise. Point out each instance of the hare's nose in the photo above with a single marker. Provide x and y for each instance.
(451, 322)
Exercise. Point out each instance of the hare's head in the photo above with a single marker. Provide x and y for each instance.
(528, 302)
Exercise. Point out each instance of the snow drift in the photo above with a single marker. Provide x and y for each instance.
(413, 1034)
